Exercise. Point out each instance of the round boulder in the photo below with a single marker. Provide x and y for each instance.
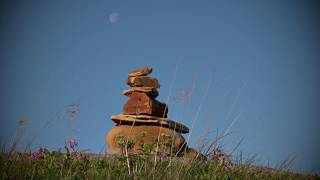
(144, 139)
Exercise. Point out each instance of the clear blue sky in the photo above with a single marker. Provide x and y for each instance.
(261, 56)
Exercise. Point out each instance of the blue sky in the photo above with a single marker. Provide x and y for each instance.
(258, 60)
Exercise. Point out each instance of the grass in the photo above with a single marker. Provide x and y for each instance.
(75, 165)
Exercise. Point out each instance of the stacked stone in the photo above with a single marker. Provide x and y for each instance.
(144, 121)
(142, 95)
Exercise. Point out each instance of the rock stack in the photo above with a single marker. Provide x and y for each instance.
(143, 126)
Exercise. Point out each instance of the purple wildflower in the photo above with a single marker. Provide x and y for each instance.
(73, 144)
(164, 157)
(39, 154)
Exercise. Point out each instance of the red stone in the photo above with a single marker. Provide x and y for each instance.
(141, 103)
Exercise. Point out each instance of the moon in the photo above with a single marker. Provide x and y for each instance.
(114, 18)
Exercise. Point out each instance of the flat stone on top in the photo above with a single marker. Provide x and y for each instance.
(143, 81)
(150, 91)
(149, 120)
(140, 72)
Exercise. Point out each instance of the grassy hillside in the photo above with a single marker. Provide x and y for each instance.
(72, 165)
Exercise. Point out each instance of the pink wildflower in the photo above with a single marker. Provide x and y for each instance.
(73, 144)
(164, 157)
(39, 154)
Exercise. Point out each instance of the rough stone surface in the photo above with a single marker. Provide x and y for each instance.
(143, 127)
(151, 92)
(143, 81)
(149, 120)
(141, 103)
(143, 140)
(140, 72)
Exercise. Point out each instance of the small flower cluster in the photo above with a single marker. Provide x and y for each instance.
(39, 154)
(164, 157)
(73, 144)
(220, 155)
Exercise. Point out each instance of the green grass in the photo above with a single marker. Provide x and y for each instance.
(57, 165)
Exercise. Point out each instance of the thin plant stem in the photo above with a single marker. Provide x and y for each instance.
(184, 107)
(236, 99)
(232, 123)
(169, 94)
(199, 108)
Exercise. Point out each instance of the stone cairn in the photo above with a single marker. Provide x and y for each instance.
(143, 126)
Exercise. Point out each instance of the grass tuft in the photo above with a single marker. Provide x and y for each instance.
(75, 165)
